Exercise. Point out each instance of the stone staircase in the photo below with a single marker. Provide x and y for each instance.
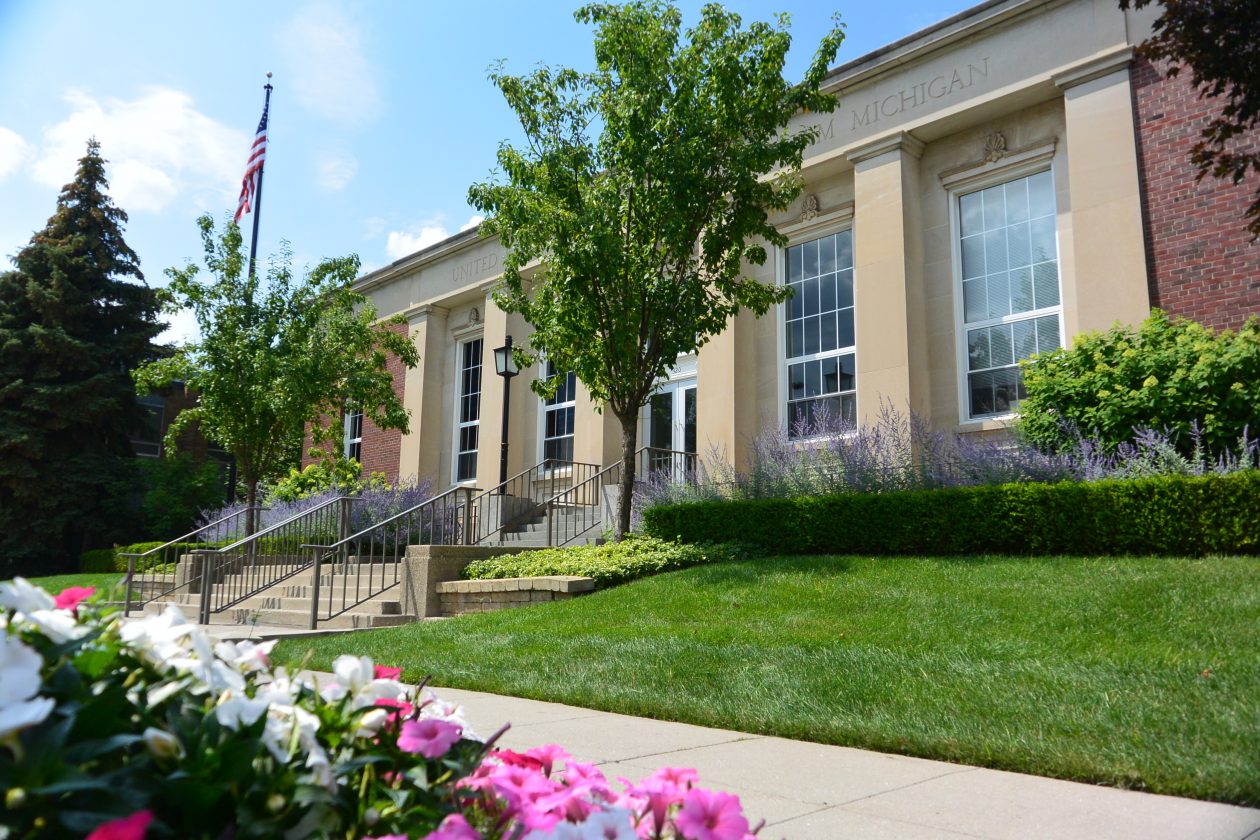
(533, 532)
(288, 602)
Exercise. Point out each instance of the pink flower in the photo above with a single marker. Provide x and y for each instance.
(70, 598)
(515, 759)
(126, 828)
(547, 755)
(454, 827)
(380, 672)
(711, 815)
(431, 738)
(404, 709)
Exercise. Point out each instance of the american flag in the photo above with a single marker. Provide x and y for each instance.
(253, 167)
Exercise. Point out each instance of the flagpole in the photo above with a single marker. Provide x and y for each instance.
(257, 203)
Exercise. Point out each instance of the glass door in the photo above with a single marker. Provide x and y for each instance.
(671, 430)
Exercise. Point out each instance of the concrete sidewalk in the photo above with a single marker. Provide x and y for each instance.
(811, 791)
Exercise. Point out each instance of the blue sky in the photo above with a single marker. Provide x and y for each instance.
(381, 117)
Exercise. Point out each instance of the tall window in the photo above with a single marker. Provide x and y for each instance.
(146, 440)
(468, 422)
(1010, 270)
(820, 333)
(354, 434)
(558, 417)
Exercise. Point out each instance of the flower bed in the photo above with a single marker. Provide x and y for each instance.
(114, 729)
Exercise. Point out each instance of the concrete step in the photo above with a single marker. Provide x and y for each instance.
(302, 618)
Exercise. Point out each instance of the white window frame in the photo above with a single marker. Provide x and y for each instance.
(457, 424)
(800, 237)
(543, 408)
(348, 442)
(1041, 160)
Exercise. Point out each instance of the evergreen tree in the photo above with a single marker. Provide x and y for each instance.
(75, 318)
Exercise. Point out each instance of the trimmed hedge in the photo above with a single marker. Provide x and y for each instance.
(111, 559)
(608, 564)
(1168, 515)
(97, 561)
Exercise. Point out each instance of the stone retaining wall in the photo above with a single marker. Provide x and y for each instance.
(468, 596)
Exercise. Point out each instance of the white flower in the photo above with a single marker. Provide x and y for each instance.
(613, 824)
(20, 595)
(350, 673)
(159, 637)
(162, 743)
(19, 671)
(246, 657)
(435, 707)
(238, 710)
(58, 625)
(18, 716)
(160, 693)
(372, 721)
(282, 722)
(379, 690)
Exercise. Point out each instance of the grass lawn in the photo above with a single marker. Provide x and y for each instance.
(1135, 672)
(101, 580)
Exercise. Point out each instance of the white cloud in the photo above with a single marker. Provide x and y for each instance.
(473, 220)
(159, 148)
(402, 243)
(335, 169)
(13, 151)
(326, 66)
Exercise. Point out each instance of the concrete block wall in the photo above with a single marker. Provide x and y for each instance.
(468, 596)
(1200, 258)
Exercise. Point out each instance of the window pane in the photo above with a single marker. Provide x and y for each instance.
(981, 393)
(827, 293)
(796, 303)
(999, 295)
(813, 379)
(1025, 338)
(1017, 201)
(810, 252)
(830, 375)
(1048, 333)
(793, 265)
(975, 299)
(796, 339)
(811, 297)
(1006, 390)
(827, 341)
(796, 382)
(973, 257)
(811, 335)
(978, 357)
(1046, 283)
(844, 249)
(995, 251)
(827, 255)
(844, 331)
(848, 375)
(848, 408)
(971, 214)
(1041, 195)
(1017, 248)
(1042, 236)
(1000, 345)
(994, 208)
(844, 288)
(1021, 290)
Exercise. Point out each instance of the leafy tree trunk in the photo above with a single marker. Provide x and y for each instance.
(251, 512)
(629, 443)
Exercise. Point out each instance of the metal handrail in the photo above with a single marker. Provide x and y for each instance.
(243, 556)
(443, 519)
(135, 559)
(490, 509)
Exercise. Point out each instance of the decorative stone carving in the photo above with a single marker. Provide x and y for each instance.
(809, 208)
(994, 147)
(474, 317)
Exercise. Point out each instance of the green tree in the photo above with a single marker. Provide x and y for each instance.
(1219, 40)
(278, 356)
(72, 325)
(643, 191)
(1165, 375)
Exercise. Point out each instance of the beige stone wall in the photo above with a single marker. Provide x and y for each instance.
(911, 128)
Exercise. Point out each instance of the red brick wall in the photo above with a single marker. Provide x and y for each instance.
(1200, 259)
(382, 448)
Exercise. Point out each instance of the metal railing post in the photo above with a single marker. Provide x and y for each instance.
(131, 570)
(468, 517)
(203, 608)
(315, 573)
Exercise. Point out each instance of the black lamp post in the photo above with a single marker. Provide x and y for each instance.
(505, 366)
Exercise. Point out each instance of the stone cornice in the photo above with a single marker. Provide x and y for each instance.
(901, 141)
(1094, 68)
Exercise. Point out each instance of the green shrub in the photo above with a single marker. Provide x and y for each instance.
(177, 489)
(608, 564)
(345, 475)
(1166, 375)
(97, 560)
(1165, 515)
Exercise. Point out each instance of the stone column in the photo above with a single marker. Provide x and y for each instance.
(423, 446)
(1104, 248)
(891, 329)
